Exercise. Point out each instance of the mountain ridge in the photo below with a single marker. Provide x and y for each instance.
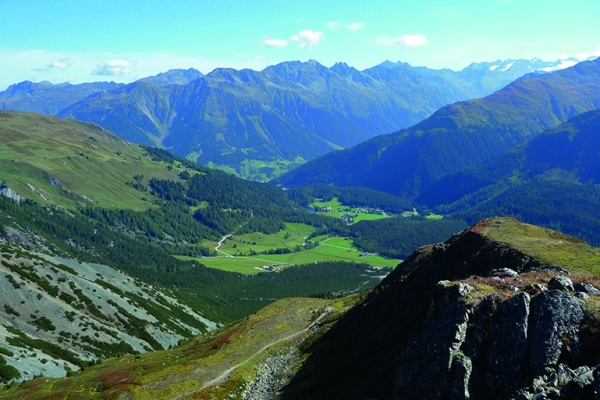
(291, 111)
(458, 135)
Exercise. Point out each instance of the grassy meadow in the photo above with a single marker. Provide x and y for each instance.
(236, 251)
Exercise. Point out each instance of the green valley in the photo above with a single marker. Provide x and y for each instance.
(92, 196)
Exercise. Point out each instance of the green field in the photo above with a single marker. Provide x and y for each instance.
(238, 248)
(253, 264)
(240, 245)
(338, 209)
(434, 216)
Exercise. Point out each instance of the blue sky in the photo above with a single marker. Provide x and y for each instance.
(123, 40)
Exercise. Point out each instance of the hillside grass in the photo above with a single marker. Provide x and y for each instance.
(54, 161)
(551, 247)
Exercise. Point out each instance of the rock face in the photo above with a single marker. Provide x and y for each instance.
(556, 317)
(434, 356)
(496, 348)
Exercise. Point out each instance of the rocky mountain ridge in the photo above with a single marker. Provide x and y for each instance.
(463, 318)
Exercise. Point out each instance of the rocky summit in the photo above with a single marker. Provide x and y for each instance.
(503, 310)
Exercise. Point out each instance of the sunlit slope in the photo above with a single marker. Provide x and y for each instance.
(71, 163)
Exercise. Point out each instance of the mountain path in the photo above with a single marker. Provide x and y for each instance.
(225, 374)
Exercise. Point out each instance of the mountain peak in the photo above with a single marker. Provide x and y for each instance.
(390, 65)
(174, 77)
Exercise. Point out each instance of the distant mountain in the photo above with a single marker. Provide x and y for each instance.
(458, 136)
(289, 110)
(483, 78)
(286, 111)
(47, 98)
(551, 180)
(141, 109)
(258, 123)
(568, 152)
(174, 77)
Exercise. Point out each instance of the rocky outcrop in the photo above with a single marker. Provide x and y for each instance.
(11, 194)
(498, 348)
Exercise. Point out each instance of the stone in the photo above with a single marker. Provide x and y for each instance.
(576, 384)
(556, 316)
(514, 327)
(431, 354)
(11, 194)
(582, 295)
(503, 273)
(459, 381)
(561, 282)
(585, 288)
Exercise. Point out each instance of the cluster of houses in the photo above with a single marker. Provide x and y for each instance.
(347, 218)
(370, 210)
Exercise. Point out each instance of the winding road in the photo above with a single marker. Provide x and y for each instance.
(221, 242)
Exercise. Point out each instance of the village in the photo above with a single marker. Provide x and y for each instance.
(350, 215)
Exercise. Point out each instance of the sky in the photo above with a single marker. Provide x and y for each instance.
(124, 40)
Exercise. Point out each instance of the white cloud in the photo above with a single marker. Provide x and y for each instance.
(235, 53)
(354, 26)
(259, 57)
(586, 56)
(411, 40)
(279, 43)
(57, 63)
(307, 38)
(406, 41)
(115, 68)
(333, 24)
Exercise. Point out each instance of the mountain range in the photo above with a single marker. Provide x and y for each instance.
(48, 98)
(288, 112)
(459, 135)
